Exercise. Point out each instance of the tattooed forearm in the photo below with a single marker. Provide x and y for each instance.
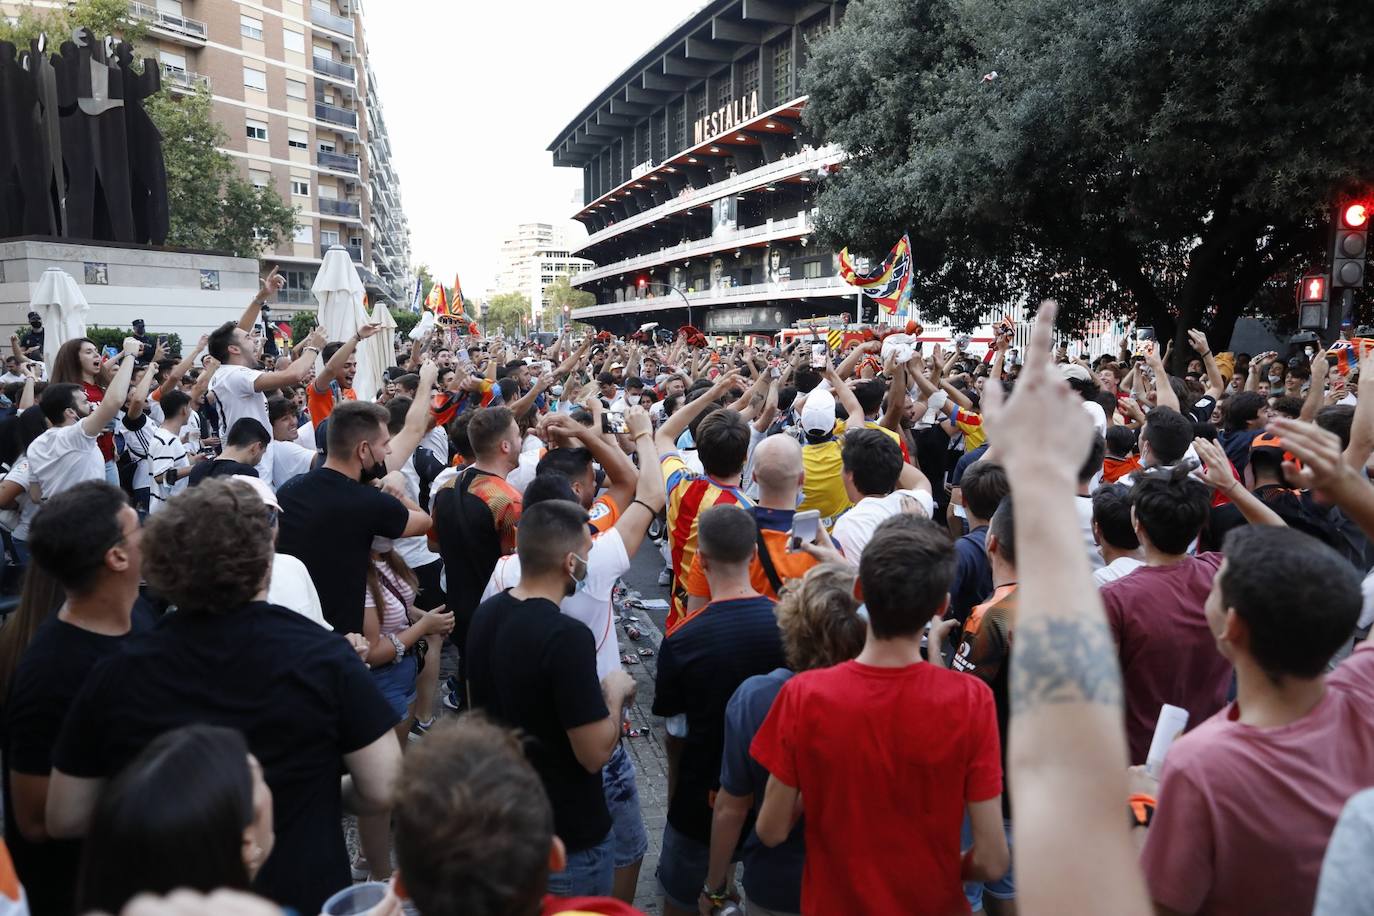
(1063, 660)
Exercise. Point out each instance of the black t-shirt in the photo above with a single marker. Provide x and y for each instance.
(33, 339)
(50, 674)
(299, 694)
(699, 667)
(1287, 505)
(534, 668)
(220, 467)
(328, 522)
(1202, 410)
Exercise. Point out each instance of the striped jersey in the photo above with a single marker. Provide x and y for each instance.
(689, 494)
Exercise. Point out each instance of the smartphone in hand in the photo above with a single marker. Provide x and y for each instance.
(820, 353)
(806, 527)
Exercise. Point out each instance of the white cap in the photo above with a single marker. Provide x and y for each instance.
(1076, 372)
(260, 487)
(818, 414)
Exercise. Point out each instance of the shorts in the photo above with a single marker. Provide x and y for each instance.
(1004, 888)
(682, 866)
(397, 683)
(629, 839)
(589, 872)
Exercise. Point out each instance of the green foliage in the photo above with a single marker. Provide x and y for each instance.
(102, 17)
(560, 293)
(506, 310)
(114, 337)
(1172, 160)
(211, 206)
(405, 320)
(426, 281)
(302, 323)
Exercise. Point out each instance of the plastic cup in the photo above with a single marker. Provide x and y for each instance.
(355, 900)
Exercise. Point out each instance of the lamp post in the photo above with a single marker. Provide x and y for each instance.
(685, 301)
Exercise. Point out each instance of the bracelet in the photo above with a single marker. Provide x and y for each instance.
(652, 510)
(399, 646)
(717, 897)
(316, 349)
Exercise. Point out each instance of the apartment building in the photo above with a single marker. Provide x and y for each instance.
(533, 256)
(291, 85)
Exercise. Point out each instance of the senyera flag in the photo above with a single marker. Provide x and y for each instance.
(1344, 355)
(459, 305)
(890, 284)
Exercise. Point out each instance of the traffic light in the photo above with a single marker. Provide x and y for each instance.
(1312, 302)
(1351, 246)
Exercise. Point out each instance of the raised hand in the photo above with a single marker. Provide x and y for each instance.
(637, 422)
(367, 330)
(132, 346)
(271, 284)
(1216, 468)
(1198, 341)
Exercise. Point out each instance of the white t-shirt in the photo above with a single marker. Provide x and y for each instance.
(292, 588)
(10, 378)
(1118, 568)
(1099, 416)
(63, 457)
(20, 476)
(232, 387)
(414, 550)
(167, 452)
(1084, 505)
(138, 444)
(855, 527)
(531, 450)
(606, 562)
(436, 440)
(289, 459)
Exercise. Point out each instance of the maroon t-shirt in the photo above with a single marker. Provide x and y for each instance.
(1245, 813)
(1167, 652)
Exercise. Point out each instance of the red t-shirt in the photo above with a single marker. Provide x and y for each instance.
(886, 759)
(1245, 813)
(105, 441)
(1167, 651)
(573, 906)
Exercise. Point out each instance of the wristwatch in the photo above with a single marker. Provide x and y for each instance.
(400, 647)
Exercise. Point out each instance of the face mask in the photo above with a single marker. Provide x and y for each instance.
(374, 471)
(1276, 380)
(579, 585)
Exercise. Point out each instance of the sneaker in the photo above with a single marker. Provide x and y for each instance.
(453, 700)
(665, 577)
(419, 729)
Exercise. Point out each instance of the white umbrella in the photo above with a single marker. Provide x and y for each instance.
(63, 307)
(384, 341)
(339, 290)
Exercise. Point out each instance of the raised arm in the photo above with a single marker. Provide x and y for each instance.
(847, 365)
(178, 372)
(649, 496)
(1067, 760)
(271, 285)
(335, 367)
(1164, 392)
(621, 476)
(202, 385)
(417, 420)
(666, 437)
(1216, 473)
(1215, 383)
(116, 393)
(1316, 392)
(1362, 425)
(294, 374)
(139, 402)
(770, 408)
(854, 413)
(1324, 470)
(896, 398)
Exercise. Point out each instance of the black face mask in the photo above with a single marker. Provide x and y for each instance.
(374, 471)
(36, 324)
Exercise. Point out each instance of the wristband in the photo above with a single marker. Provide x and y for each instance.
(399, 646)
(652, 510)
(716, 896)
(316, 349)
(1142, 808)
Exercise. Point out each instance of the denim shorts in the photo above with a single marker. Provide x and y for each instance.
(622, 800)
(589, 873)
(682, 866)
(397, 683)
(1004, 888)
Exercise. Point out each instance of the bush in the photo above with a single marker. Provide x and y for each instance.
(406, 321)
(114, 337)
(302, 323)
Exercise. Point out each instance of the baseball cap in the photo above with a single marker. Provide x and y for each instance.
(33, 315)
(818, 414)
(260, 487)
(1075, 371)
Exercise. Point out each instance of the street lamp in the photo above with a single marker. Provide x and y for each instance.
(643, 282)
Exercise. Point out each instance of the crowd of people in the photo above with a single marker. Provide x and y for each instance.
(934, 625)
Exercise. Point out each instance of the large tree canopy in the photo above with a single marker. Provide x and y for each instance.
(1170, 160)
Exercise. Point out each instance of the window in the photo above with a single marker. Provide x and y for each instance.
(329, 237)
(749, 76)
(721, 89)
(300, 187)
(304, 234)
(260, 178)
(173, 61)
(811, 270)
(257, 130)
(326, 146)
(297, 139)
(355, 241)
(299, 281)
(295, 89)
(292, 40)
(255, 79)
(250, 27)
(327, 192)
(782, 70)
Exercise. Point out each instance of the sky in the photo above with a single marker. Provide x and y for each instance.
(473, 94)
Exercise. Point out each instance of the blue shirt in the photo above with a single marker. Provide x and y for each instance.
(972, 573)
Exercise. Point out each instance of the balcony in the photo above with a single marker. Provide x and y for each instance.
(355, 253)
(296, 297)
(327, 67)
(179, 80)
(330, 21)
(728, 295)
(800, 224)
(689, 198)
(337, 161)
(179, 28)
(340, 208)
(333, 114)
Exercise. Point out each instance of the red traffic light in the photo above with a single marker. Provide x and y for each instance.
(643, 282)
(1313, 289)
(1355, 216)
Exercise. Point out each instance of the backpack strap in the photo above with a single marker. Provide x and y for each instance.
(766, 560)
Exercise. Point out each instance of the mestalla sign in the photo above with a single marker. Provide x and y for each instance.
(727, 117)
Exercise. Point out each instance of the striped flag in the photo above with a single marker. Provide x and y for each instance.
(890, 285)
(417, 296)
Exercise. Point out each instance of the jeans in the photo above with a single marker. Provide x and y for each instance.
(631, 841)
(1004, 888)
(590, 872)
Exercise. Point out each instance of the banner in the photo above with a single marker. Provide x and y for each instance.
(890, 285)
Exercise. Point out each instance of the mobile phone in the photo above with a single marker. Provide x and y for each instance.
(110, 352)
(613, 421)
(819, 355)
(775, 372)
(805, 527)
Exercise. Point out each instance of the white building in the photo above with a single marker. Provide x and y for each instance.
(533, 256)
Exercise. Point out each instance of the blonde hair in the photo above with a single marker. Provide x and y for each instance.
(818, 616)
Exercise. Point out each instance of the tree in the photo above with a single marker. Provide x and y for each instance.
(1169, 160)
(102, 17)
(506, 310)
(562, 293)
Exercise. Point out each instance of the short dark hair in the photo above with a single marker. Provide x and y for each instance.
(1243, 408)
(1093, 465)
(1287, 405)
(722, 443)
(220, 340)
(277, 407)
(1112, 512)
(1337, 419)
(1299, 598)
(330, 349)
(548, 532)
(727, 534)
(906, 572)
(458, 439)
(984, 486)
(1171, 506)
(605, 378)
(806, 379)
(488, 427)
(173, 818)
(71, 532)
(408, 382)
(352, 422)
(873, 459)
(473, 823)
(572, 463)
(57, 399)
(1120, 440)
(870, 395)
(248, 431)
(635, 382)
(396, 410)
(1169, 434)
(173, 402)
(210, 548)
(548, 484)
(1003, 527)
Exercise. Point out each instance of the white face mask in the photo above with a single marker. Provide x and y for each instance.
(382, 545)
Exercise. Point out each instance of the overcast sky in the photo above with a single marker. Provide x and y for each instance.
(474, 93)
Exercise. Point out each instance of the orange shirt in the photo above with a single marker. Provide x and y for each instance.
(604, 514)
(689, 494)
(322, 405)
(774, 525)
(1113, 469)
